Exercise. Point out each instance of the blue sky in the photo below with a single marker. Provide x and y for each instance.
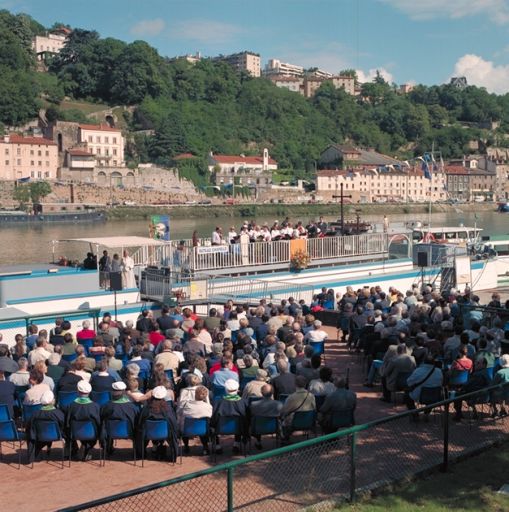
(423, 41)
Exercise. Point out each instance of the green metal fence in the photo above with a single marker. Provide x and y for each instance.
(317, 473)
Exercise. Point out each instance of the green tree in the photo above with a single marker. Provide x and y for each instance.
(39, 190)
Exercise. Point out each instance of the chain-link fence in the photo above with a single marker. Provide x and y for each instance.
(318, 473)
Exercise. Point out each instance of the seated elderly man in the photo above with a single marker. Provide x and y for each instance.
(40, 352)
(231, 405)
(398, 366)
(428, 375)
(119, 408)
(21, 377)
(316, 334)
(168, 358)
(83, 409)
(339, 400)
(284, 383)
(7, 392)
(196, 408)
(48, 412)
(267, 407)
(254, 387)
(300, 401)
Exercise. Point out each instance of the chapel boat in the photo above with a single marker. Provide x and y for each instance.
(446, 234)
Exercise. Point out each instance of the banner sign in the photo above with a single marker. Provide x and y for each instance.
(213, 249)
(159, 228)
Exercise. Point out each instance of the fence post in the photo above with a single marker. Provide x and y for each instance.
(353, 465)
(445, 461)
(229, 476)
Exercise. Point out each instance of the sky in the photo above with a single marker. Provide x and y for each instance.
(409, 41)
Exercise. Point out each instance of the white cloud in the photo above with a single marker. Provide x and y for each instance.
(370, 74)
(205, 31)
(496, 10)
(148, 27)
(483, 73)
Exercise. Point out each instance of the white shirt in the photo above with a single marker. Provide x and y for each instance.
(216, 238)
(231, 236)
(315, 335)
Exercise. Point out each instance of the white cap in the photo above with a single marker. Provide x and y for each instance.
(231, 385)
(84, 387)
(119, 386)
(47, 398)
(159, 392)
(317, 323)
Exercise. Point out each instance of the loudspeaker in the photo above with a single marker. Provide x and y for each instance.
(115, 281)
(422, 259)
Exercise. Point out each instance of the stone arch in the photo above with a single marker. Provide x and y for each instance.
(60, 143)
(129, 180)
(110, 120)
(116, 178)
(101, 178)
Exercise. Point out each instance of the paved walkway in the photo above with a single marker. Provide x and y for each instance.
(50, 487)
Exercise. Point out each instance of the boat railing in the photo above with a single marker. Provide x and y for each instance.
(205, 258)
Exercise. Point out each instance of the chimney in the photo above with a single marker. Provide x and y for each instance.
(6, 139)
(265, 159)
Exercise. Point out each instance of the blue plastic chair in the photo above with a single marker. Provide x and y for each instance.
(119, 429)
(154, 430)
(66, 398)
(304, 421)
(9, 433)
(193, 427)
(47, 431)
(100, 397)
(264, 426)
(226, 426)
(319, 400)
(87, 343)
(69, 357)
(218, 392)
(5, 415)
(430, 396)
(20, 393)
(82, 431)
(318, 348)
(459, 377)
(27, 411)
(342, 418)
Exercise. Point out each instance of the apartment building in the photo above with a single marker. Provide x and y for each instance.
(104, 142)
(276, 67)
(51, 43)
(292, 83)
(372, 185)
(28, 157)
(244, 61)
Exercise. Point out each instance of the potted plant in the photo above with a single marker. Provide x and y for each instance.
(299, 261)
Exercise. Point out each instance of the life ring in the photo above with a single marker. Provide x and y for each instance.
(429, 238)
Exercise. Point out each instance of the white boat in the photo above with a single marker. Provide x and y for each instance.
(245, 272)
(446, 234)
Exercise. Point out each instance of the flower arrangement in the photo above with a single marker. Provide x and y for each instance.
(299, 260)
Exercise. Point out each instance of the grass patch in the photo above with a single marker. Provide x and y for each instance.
(470, 485)
(83, 106)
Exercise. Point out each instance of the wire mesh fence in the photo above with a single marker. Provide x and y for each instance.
(318, 473)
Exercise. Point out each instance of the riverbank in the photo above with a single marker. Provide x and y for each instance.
(197, 211)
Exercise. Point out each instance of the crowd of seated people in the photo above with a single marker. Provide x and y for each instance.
(245, 363)
(236, 362)
(422, 342)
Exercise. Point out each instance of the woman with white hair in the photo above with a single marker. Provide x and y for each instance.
(86, 333)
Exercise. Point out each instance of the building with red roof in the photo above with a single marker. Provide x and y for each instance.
(28, 157)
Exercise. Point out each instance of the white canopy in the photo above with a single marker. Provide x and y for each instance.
(114, 242)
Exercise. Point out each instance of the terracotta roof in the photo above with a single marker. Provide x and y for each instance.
(232, 159)
(184, 156)
(99, 127)
(79, 152)
(40, 141)
(455, 169)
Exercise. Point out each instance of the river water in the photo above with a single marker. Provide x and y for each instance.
(30, 244)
